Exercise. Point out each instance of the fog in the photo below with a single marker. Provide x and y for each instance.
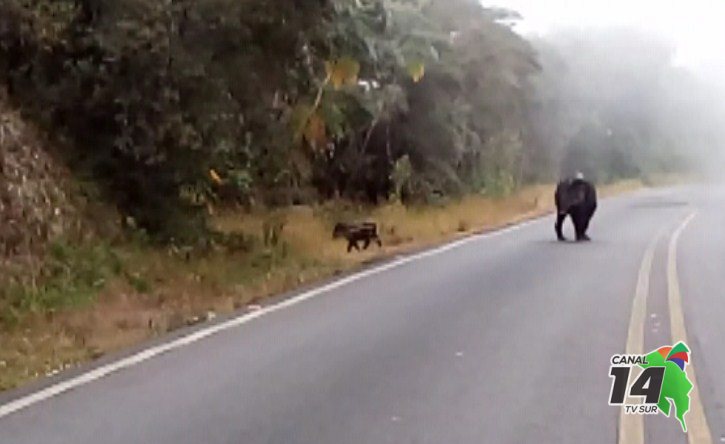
(655, 72)
(694, 27)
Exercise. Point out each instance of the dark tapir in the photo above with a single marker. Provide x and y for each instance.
(576, 198)
(356, 233)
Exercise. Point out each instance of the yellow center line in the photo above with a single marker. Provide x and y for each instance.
(698, 430)
(631, 427)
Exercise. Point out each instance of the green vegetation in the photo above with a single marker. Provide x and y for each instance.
(175, 106)
(70, 276)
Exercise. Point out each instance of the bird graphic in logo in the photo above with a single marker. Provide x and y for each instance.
(677, 354)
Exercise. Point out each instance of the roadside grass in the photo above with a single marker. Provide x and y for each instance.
(101, 298)
(70, 277)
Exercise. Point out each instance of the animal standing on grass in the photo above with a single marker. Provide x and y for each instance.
(356, 233)
(576, 198)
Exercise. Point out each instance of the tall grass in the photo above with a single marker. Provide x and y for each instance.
(70, 276)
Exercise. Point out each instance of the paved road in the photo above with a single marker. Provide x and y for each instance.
(502, 339)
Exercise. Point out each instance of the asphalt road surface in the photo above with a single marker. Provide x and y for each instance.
(504, 338)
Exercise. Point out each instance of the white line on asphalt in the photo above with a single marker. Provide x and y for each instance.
(105, 370)
(698, 430)
(631, 427)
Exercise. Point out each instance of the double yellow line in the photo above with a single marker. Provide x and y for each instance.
(631, 427)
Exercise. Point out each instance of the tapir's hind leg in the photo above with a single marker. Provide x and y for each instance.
(560, 218)
(585, 226)
(581, 223)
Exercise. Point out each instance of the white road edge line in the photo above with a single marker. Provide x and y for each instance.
(105, 370)
(631, 427)
(698, 430)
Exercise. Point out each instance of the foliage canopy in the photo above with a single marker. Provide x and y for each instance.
(172, 106)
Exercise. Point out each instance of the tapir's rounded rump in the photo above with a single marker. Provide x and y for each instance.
(576, 198)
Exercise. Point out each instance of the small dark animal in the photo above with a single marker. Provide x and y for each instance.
(576, 198)
(356, 233)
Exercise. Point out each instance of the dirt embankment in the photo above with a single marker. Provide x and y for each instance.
(36, 207)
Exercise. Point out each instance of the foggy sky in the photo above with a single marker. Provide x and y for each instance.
(694, 27)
